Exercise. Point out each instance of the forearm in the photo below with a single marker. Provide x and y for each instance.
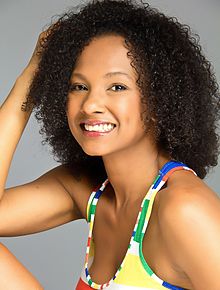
(13, 121)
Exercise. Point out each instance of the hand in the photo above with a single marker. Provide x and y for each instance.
(25, 79)
(33, 63)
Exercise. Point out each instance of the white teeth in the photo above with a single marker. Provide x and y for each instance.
(99, 128)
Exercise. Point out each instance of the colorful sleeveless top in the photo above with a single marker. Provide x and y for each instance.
(134, 273)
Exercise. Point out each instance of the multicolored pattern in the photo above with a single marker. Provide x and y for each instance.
(134, 272)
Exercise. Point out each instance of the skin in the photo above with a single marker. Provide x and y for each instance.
(186, 214)
(14, 271)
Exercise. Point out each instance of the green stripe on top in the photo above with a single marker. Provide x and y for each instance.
(146, 267)
(137, 237)
(90, 282)
(91, 210)
(155, 180)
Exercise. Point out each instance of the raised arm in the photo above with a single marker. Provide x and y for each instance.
(45, 202)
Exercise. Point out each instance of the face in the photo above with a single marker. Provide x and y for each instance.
(98, 93)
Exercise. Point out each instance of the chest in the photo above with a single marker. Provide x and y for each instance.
(111, 236)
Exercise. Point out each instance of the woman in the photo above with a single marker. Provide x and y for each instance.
(130, 106)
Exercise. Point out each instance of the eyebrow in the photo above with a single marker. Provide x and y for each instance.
(107, 75)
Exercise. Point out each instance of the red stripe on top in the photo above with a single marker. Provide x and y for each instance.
(89, 241)
(167, 175)
(81, 285)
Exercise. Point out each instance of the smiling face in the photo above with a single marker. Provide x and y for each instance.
(99, 93)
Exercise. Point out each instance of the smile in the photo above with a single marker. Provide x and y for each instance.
(97, 130)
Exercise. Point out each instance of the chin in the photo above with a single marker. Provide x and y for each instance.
(93, 152)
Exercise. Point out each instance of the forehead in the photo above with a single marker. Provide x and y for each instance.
(105, 53)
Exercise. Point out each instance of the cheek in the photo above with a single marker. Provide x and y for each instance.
(130, 111)
(72, 108)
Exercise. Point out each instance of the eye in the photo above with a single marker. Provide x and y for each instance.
(123, 87)
(76, 87)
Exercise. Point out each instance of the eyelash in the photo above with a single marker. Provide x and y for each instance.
(74, 85)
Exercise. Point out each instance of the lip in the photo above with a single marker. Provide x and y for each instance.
(95, 133)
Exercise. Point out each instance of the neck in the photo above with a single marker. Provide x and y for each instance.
(132, 172)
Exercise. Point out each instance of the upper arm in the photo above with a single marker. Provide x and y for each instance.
(38, 205)
(190, 226)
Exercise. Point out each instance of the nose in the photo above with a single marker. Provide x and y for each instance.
(93, 103)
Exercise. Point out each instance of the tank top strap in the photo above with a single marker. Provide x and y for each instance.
(93, 199)
(147, 203)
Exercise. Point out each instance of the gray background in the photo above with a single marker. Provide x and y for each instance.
(56, 256)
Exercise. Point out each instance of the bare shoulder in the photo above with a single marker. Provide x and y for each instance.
(189, 221)
(79, 188)
(184, 192)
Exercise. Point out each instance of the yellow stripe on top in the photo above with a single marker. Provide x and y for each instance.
(133, 274)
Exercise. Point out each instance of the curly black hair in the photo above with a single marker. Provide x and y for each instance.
(176, 81)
